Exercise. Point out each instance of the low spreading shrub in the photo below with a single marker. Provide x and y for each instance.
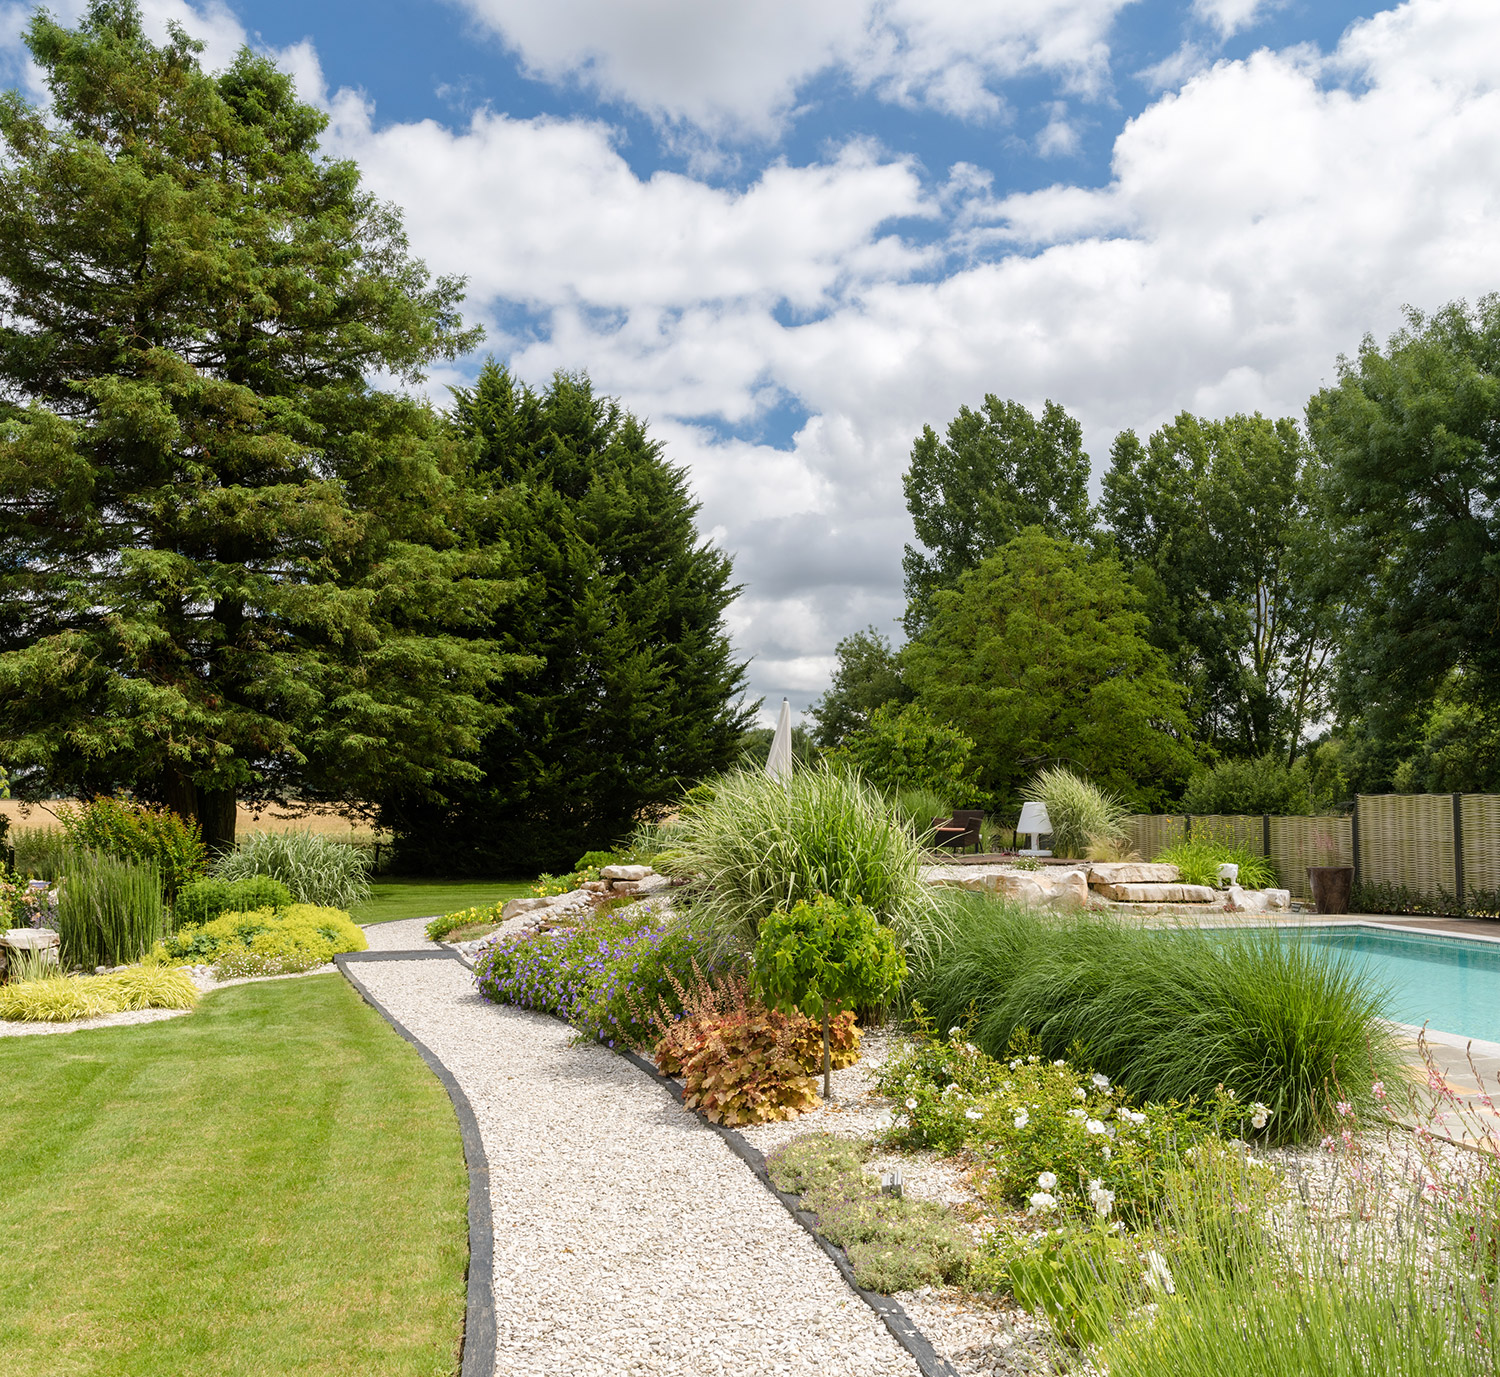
(758, 844)
(58, 998)
(132, 831)
(109, 911)
(204, 900)
(1199, 857)
(299, 937)
(316, 869)
(893, 1244)
(1082, 814)
(1171, 1014)
(475, 916)
(746, 1069)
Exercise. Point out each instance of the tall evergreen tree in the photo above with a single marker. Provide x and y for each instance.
(228, 565)
(637, 692)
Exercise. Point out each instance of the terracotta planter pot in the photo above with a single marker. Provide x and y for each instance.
(1330, 885)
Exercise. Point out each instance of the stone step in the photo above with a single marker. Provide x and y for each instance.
(1132, 873)
(1158, 893)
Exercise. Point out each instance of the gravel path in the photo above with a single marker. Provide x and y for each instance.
(628, 1238)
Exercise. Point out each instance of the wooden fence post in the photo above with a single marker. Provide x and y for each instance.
(1458, 851)
(1187, 825)
(1354, 837)
(1265, 835)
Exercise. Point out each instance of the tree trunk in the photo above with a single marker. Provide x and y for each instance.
(827, 1061)
(216, 818)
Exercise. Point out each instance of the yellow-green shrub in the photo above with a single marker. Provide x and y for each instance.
(299, 933)
(59, 998)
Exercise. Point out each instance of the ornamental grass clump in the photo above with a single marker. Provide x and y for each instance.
(1199, 857)
(52, 996)
(1170, 1014)
(316, 869)
(109, 911)
(1082, 814)
(756, 844)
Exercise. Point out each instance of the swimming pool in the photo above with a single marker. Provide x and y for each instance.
(1452, 984)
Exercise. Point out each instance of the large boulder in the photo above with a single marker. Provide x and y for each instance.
(516, 906)
(625, 872)
(1260, 900)
(652, 884)
(1051, 886)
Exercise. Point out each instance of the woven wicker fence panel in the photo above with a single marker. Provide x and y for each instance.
(1481, 819)
(1297, 843)
(1407, 840)
(1150, 834)
(1235, 829)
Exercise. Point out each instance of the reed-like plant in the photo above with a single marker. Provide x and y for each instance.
(317, 869)
(109, 911)
(917, 808)
(757, 844)
(1199, 857)
(1082, 814)
(1168, 1012)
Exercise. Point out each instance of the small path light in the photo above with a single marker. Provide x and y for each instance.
(1034, 822)
(890, 1183)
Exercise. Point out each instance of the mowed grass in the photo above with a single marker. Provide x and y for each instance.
(272, 1184)
(393, 899)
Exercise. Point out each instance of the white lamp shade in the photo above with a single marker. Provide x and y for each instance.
(1034, 819)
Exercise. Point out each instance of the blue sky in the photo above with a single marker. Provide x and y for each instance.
(789, 235)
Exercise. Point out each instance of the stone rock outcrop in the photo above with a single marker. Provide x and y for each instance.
(1132, 873)
(1051, 886)
(518, 906)
(625, 872)
(1157, 893)
(1260, 900)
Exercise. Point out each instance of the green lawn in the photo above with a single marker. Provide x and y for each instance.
(272, 1184)
(392, 899)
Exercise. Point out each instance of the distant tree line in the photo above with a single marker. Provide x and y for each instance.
(1257, 615)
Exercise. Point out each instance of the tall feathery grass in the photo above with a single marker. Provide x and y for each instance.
(1082, 814)
(317, 869)
(917, 808)
(758, 844)
(110, 911)
(1169, 1013)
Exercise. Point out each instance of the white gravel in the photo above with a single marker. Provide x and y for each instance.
(405, 934)
(628, 1238)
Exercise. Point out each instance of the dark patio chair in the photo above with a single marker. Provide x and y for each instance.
(959, 831)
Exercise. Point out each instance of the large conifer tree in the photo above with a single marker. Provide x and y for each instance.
(229, 566)
(638, 692)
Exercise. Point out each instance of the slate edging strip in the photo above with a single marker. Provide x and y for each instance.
(480, 1336)
(891, 1312)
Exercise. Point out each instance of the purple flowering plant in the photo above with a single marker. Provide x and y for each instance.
(611, 977)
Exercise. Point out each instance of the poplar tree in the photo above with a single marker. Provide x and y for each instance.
(230, 567)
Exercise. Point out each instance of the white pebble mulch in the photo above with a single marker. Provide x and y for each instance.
(628, 1238)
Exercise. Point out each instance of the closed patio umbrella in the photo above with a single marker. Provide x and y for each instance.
(779, 762)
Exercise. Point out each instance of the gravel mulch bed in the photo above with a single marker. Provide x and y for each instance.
(628, 1238)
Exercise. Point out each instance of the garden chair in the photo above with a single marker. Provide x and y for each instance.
(961, 830)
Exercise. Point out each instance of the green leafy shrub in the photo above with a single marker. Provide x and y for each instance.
(1082, 814)
(597, 860)
(1199, 857)
(204, 900)
(143, 832)
(300, 933)
(1168, 1013)
(824, 957)
(759, 845)
(903, 746)
(893, 1244)
(59, 998)
(316, 869)
(109, 911)
(1266, 784)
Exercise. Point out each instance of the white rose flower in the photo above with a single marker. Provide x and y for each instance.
(1041, 1202)
(1102, 1198)
(1047, 1180)
(1101, 1082)
(1079, 1093)
(1093, 1126)
(972, 1114)
(1023, 1118)
(911, 1104)
(1078, 1113)
(1259, 1117)
(955, 1032)
(1061, 1061)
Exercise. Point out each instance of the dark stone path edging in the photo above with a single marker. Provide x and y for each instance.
(480, 1333)
(479, 1324)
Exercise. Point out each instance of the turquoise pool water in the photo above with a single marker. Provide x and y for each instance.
(1449, 983)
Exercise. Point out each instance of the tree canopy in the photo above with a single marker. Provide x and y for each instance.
(1410, 435)
(1041, 655)
(996, 471)
(637, 690)
(867, 677)
(230, 566)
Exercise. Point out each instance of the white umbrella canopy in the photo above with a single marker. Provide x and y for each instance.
(779, 762)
